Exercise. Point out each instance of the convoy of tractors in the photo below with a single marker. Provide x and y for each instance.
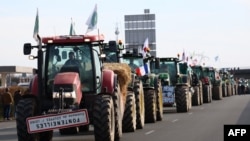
(110, 87)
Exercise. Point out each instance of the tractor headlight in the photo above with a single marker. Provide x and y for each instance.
(65, 94)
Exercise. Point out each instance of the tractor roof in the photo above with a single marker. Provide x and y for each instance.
(72, 39)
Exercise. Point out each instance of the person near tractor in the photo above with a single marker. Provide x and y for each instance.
(72, 60)
(7, 102)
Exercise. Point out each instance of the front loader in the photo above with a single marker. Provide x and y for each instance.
(69, 97)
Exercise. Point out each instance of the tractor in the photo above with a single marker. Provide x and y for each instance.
(226, 84)
(134, 109)
(177, 83)
(197, 98)
(166, 74)
(151, 84)
(214, 76)
(71, 97)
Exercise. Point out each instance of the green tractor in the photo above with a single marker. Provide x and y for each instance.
(226, 85)
(166, 73)
(152, 86)
(135, 93)
(214, 76)
(176, 77)
(197, 98)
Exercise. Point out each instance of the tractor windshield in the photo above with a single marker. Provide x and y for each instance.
(133, 62)
(68, 58)
(110, 56)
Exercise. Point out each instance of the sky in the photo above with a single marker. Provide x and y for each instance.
(207, 28)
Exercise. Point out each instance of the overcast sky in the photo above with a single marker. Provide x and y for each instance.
(205, 27)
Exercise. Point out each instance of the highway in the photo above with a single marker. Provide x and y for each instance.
(202, 123)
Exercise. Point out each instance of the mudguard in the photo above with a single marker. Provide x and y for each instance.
(108, 81)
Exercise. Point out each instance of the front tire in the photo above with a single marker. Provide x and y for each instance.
(27, 107)
(104, 118)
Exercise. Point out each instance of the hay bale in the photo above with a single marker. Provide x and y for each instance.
(124, 75)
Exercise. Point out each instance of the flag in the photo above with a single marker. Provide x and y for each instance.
(92, 20)
(183, 56)
(145, 48)
(146, 68)
(140, 71)
(36, 28)
(216, 58)
(72, 29)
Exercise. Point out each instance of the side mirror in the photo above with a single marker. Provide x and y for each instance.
(27, 49)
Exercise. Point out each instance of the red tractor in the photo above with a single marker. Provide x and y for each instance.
(71, 96)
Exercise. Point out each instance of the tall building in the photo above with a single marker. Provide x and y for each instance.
(138, 28)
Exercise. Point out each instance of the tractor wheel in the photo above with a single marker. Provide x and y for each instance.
(224, 90)
(229, 91)
(217, 93)
(118, 113)
(129, 117)
(196, 96)
(182, 99)
(150, 106)
(206, 95)
(104, 118)
(159, 103)
(140, 106)
(201, 93)
(27, 107)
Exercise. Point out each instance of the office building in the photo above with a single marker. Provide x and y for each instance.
(138, 28)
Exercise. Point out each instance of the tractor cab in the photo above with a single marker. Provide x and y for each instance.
(77, 75)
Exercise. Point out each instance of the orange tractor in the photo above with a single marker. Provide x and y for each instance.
(73, 96)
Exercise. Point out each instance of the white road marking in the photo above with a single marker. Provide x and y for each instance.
(149, 132)
(190, 113)
(174, 120)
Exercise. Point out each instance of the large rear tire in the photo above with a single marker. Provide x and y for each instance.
(150, 106)
(217, 92)
(104, 118)
(196, 96)
(140, 105)
(182, 99)
(118, 113)
(206, 94)
(129, 117)
(159, 102)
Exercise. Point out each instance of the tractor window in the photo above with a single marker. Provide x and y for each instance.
(133, 62)
(57, 61)
(183, 68)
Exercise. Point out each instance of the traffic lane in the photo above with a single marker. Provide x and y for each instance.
(203, 122)
(8, 131)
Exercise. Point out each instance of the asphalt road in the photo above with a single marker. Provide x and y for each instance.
(201, 123)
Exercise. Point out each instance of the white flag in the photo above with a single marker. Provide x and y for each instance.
(36, 27)
(72, 29)
(92, 20)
